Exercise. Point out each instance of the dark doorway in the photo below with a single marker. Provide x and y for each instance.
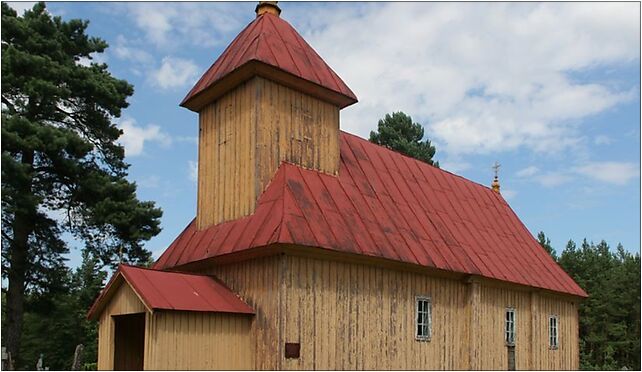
(511, 357)
(129, 342)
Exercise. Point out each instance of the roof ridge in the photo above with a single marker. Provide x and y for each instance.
(420, 162)
(286, 48)
(167, 251)
(372, 211)
(318, 174)
(169, 270)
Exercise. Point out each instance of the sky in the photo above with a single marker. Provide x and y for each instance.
(549, 90)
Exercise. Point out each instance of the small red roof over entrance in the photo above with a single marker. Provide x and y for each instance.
(388, 205)
(274, 42)
(164, 290)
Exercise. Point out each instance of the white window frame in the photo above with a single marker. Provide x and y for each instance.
(553, 332)
(423, 318)
(510, 329)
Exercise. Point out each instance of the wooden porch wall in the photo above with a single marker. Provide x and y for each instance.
(246, 134)
(198, 341)
(177, 340)
(123, 302)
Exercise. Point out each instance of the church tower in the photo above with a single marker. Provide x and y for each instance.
(267, 99)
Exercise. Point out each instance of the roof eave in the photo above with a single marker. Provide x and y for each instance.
(195, 102)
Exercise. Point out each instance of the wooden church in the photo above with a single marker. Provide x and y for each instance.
(313, 248)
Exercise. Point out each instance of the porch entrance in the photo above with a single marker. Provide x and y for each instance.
(129, 342)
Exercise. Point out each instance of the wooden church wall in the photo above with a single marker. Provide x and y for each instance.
(358, 316)
(567, 355)
(532, 344)
(352, 315)
(246, 134)
(258, 283)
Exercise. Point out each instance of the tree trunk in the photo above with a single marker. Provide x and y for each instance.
(23, 226)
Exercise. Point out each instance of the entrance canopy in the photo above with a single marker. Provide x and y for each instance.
(165, 290)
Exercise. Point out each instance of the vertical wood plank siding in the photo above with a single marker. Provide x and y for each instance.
(359, 316)
(124, 301)
(246, 134)
(258, 283)
(182, 340)
(349, 315)
(178, 340)
(353, 316)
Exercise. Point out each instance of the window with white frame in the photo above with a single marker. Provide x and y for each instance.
(509, 326)
(423, 312)
(553, 341)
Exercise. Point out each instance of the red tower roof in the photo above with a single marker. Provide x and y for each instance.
(270, 46)
(384, 204)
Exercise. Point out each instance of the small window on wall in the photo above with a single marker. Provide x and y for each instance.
(423, 312)
(509, 327)
(553, 341)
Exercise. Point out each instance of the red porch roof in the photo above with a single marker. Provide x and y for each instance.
(388, 205)
(164, 290)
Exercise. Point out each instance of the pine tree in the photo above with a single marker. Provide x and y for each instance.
(610, 316)
(546, 244)
(62, 169)
(397, 132)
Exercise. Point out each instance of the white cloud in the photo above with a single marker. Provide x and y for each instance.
(602, 140)
(123, 50)
(134, 137)
(508, 193)
(21, 6)
(169, 25)
(553, 179)
(93, 58)
(149, 182)
(528, 171)
(482, 77)
(174, 73)
(193, 170)
(454, 165)
(617, 173)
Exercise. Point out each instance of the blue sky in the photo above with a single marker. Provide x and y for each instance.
(550, 90)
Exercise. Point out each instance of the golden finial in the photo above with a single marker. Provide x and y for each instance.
(267, 7)
(495, 184)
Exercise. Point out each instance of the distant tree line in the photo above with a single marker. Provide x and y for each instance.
(610, 316)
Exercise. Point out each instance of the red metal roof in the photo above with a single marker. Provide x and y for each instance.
(273, 41)
(164, 290)
(387, 205)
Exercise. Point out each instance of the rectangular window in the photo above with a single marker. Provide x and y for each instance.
(423, 309)
(509, 328)
(552, 332)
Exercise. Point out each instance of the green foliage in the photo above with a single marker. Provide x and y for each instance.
(55, 322)
(397, 132)
(62, 169)
(62, 112)
(610, 316)
(546, 244)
